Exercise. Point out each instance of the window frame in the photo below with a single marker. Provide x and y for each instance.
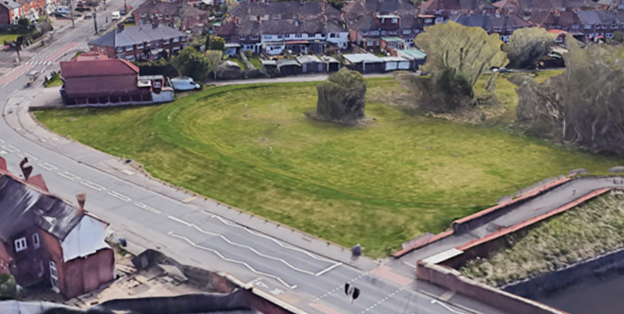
(36, 240)
(20, 244)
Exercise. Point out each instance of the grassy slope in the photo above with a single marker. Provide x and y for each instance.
(591, 229)
(377, 185)
(8, 37)
(256, 62)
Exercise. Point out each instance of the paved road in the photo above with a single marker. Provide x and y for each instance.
(298, 269)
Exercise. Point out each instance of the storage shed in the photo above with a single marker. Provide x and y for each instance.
(330, 64)
(288, 67)
(310, 64)
(396, 63)
(365, 63)
(416, 57)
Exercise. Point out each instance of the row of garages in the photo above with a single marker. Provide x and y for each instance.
(406, 60)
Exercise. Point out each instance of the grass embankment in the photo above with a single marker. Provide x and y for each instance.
(378, 185)
(591, 229)
(255, 61)
(8, 37)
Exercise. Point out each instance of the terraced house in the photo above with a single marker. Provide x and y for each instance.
(12, 10)
(397, 31)
(360, 9)
(178, 15)
(502, 24)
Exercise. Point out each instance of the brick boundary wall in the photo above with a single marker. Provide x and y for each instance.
(453, 280)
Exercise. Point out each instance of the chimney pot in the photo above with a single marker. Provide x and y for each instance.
(81, 198)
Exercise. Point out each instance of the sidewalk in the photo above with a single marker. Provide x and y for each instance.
(23, 122)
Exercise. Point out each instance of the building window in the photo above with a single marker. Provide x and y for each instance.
(497, 29)
(487, 29)
(392, 32)
(364, 32)
(604, 26)
(143, 15)
(280, 36)
(254, 37)
(369, 43)
(36, 240)
(614, 26)
(428, 21)
(332, 35)
(140, 46)
(54, 276)
(407, 31)
(267, 37)
(182, 39)
(383, 32)
(297, 35)
(564, 27)
(119, 49)
(277, 17)
(241, 37)
(587, 26)
(166, 41)
(128, 48)
(395, 20)
(20, 245)
(416, 31)
(176, 39)
(453, 12)
(130, 58)
(509, 30)
(575, 26)
(438, 12)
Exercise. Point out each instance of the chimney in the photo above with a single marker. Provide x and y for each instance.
(557, 13)
(121, 26)
(26, 168)
(81, 198)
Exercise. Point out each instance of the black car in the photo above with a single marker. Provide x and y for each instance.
(123, 12)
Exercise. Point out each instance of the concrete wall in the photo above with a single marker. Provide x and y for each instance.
(453, 280)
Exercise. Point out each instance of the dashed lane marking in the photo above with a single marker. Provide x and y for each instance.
(68, 175)
(11, 148)
(119, 196)
(232, 261)
(340, 287)
(48, 166)
(92, 185)
(148, 208)
(27, 155)
(382, 300)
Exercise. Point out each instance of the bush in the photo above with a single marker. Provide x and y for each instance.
(217, 43)
(8, 287)
(23, 21)
(617, 36)
(192, 63)
(248, 53)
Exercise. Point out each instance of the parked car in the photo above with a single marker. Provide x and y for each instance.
(115, 15)
(123, 12)
(501, 70)
(103, 28)
(63, 10)
(88, 16)
(184, 83)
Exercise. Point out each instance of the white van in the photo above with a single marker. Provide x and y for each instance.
(184, 83)
(63, 10)
(115, 15)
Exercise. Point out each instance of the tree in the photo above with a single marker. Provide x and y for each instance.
(215, 57)
(217, 43)
(193, 63)
(337, 4)
(527, 46)
(341, 98)
(8, 287)
(457, 56)
(23, 21)
(617, 36)
(583, 106)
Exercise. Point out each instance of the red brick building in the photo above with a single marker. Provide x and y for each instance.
(46, 239)
(12, 10)
(178, 15)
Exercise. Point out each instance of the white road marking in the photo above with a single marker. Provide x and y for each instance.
(11, 148)
(327, 269)
(246, 247)
(341, 286)
(434, 301)
(180, 221)
(119, 196)
(48, 166)
(68, 175)
(286, 246)
(1, 140)
(231, 260)
(92, 185)
(384, 300)
(153, 210)
(28, 155)
(2, 153)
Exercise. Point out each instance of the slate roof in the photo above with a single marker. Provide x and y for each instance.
(359, 57)
(136, 35)
(272, 8)
(279, 27)
(456, 5)
(10, 4)
(308, 59)
(362, 8)
(552, 18)
(22, 207)
(599, 17)
(473, 20)
(370, 23)
(544, 5)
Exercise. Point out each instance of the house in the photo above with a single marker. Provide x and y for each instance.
(46, 239)
(288, 67)
(532, 7)
(330, 64)
(178, 15)
(12, 10)
(83, 76)
(444, 9)
(140, 42)
(365, 63)
(507, 6)
(368, 31)
(276, 36)
(395, 63)
(296, 10)
(600, 23)
(564, 20)
(414, 56)
(359, 9)
(501, 24)
(310, 64)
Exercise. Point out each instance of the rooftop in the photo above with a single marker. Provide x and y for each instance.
(136, 35)
(359, 57)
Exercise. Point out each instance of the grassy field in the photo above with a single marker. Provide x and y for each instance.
(8, 37)
(594, 228)
(378, 185)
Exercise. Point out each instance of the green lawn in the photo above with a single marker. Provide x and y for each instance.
(256, 62)
(55, 81)
(8, 37)
(239, 62)
(378, 185)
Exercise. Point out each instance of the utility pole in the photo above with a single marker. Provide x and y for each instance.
(71, 11)
(125, 6)
(95, 22)
(104, 5)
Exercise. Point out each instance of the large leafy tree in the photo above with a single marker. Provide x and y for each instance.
(583, 106)
(527, 46)
(457, 56)
(341, 97)
(193, 63)
(8, 287)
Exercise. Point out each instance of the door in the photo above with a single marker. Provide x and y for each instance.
(54, 277)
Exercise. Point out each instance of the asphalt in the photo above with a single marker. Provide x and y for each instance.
(297, 268)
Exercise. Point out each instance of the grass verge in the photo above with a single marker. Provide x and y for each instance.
(591, 229)
(378, 185)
